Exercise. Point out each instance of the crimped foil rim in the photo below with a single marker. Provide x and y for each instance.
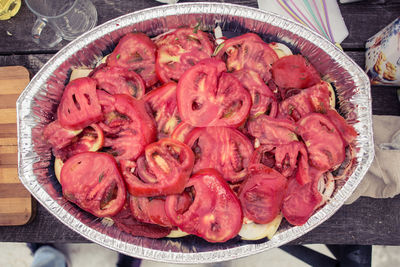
(26, 160)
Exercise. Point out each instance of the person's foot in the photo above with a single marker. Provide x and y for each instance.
(47, 255)
(35, 246)
(126, 261)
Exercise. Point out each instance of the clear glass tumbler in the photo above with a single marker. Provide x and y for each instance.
(66, 19)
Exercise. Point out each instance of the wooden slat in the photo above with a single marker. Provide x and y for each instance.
(16, 87)
(8, 141)
(8, 129)
(364, 20)
(16, 219)
(16, 190)
(15, 211)
(13, 73)
(8, 149)
(9, 175)
(13, 79)
(9, 159)
(8, 115)
(14, 205)
(8, 101)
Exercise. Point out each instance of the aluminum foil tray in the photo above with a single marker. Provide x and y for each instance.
(37, 106)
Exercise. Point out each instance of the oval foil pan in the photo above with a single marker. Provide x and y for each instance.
(37, 106)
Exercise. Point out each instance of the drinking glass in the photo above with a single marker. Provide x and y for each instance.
(64, 19)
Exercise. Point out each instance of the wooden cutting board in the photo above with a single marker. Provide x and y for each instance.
(15, 201)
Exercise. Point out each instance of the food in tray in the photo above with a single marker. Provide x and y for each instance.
(172, 136)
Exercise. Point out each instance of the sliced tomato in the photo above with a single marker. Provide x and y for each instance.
(149, 210)
(294, 71)
(303, 168)
(215, 213)
(90, 139)
(263, 99)
(162, 103)
(57, 136)
(300, 201)
(117, 80)
(139, 211)
(290, 157)
(79, 106)
(347, 131)
(208, 96)
(164, 169)
(271, 131)
(129, 224)
(224, 149)
(106, 101)
(185, 199)
(313, 99)
(261, 194)
(181, 131)
(137, 52)
(93, 182)
(129, 128)
(180, 50)
(264, 154)
(248, 51)
(287, 159)
(325, 146)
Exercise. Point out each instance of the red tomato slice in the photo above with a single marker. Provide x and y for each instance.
(162, 102)
(270, 131)
(129, 128)
(106, 101)
(265, 155)
(263, 99)
(208, 96)
(149, 210)
(137, 52)
(325, 146)
(93, 182)
(347, 131)
(184, 201)
(180, 50)
(139, 212)
(215, 213)
(90, 139)
(287, 159)
(294, 71)
(303, 168)
(224, 149)
(181, 131)
(164, 170)
(127, 223)
(248, 51)
(57, 136)
(301, 200)
(116, 80)
(261, 194)
(313, 99)
(290, 157)
(79, 106)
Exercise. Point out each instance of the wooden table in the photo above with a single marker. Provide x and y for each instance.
(367, 221)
